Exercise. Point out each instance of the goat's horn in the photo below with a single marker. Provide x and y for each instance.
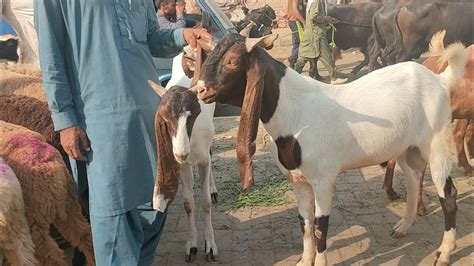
(265, 41)
(206, 45)
(189, 52)
(246, 31)
(157, 88)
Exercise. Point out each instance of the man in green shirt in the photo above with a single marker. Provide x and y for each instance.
(315, 42)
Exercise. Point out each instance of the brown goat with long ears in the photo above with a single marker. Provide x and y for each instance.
(462, 107)
(49, 193)
(321, 129)
(184, 132)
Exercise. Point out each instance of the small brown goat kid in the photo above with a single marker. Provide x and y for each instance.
(462, 107)
(184, 132)
(49, 193)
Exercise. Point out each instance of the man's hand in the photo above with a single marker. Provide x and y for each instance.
(191, 35)
(180, 6)
(74, 140)
(330, 20)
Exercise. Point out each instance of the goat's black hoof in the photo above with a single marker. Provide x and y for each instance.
(210, 256)
(214, 197)
(192, 254)
(392, 195)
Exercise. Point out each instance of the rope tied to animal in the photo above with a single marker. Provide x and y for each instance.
(354, 24)
(332, 44)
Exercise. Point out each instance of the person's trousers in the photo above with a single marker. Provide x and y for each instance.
(325, 55)
(296, 33)
(19, 14)
(128, 239)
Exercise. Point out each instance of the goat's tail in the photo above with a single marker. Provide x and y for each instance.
(456, 56)
(437, 43)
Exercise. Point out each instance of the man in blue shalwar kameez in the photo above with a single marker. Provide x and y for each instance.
(96, 59)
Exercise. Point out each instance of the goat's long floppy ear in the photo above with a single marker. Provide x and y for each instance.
(157, 88)
(167, 176)
(249, 118)
(265, 41)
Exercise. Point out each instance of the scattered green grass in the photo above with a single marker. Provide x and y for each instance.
(269, 194)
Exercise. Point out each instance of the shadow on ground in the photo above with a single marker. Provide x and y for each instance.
(360, 223)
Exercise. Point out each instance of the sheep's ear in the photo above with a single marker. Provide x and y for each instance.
(265, 41)
(157, 88)
(246, 31)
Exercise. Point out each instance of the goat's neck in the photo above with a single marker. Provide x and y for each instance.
(288, 99)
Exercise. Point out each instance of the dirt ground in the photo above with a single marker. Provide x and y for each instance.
(360, 223)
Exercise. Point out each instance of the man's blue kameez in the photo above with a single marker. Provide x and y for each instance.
(96, 59)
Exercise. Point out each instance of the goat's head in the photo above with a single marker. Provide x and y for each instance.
(174, 121)
(234, 73)
(178, 109)
(258, 23)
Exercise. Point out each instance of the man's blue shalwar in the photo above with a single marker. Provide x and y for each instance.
(96, 58)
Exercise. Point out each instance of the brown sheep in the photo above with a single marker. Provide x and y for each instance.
(49, 193)
(33, 114)
(15, 238)
(20, 81)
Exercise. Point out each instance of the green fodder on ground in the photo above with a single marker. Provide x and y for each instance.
(270, 193)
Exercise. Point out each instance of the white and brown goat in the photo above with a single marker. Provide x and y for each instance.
(184, 132)
(401, 111)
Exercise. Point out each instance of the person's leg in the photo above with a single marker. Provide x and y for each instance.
(127, 239)
(295, 40)
(153, 223)
(313, 69)
(22, 11)
(325, 54)
(300, 63)
(116, 240)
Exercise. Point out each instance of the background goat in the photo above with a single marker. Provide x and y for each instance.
(184, 132)
(462, 107)
(321, 129)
